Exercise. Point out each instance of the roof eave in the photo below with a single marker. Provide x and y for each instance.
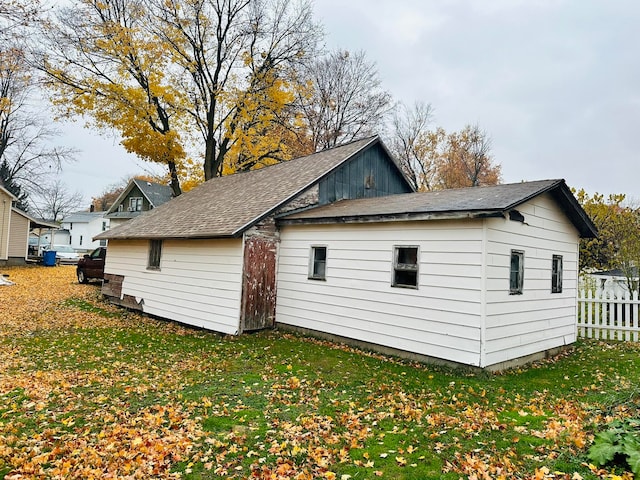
(7, 192)
(568, 204)
(394, 217)
(575, 212)
(163, 237)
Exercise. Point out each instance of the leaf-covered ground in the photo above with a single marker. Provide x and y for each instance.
(88, 390)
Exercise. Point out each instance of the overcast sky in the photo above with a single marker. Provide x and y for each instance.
(556, 84)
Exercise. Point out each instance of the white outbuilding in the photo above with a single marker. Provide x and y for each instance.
(338, 244)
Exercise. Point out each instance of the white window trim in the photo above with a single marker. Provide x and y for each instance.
(135, 204)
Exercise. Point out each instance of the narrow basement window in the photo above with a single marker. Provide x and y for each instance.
(318, 263)
(556, 274)
(155, 252)
(405, 267)
(516, 274)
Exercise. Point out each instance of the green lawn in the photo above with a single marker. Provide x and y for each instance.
(88, 391)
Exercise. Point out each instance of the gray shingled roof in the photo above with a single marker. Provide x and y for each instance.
(226, 206)
(156, 193)
(82, 217)
(451, 203)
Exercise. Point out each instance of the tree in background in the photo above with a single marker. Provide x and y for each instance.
(340, 98)
(157, 71)
(235, 54)
(28, 160)
(618, 241)
(466, 160)
(100, 61)
(109, 195)
(15, 14)
(7, 182)
(434, 159)
(55, 201)
(414, 145)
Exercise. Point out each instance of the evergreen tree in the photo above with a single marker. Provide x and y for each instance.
(7, 182)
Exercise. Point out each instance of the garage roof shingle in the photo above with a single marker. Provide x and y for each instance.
(227, 206)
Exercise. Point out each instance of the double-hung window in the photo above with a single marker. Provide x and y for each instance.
(405, 267)
(516, 273)
(135, 204)
(318, 263)
(556, 274)
(155, 252)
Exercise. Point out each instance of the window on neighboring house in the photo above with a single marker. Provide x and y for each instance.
(405, 267)
(556, 274)
(135, 204)
(103, 243)
(71, 226)
(155, 252)
(80, 239)
(120, 207)
(318, 263)
(104, 226)
(516, 274)
(70, 239)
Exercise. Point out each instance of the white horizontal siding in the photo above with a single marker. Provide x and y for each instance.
(520, 325)
(441, 318)
(198, 283)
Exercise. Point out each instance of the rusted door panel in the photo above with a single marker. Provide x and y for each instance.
(259, 283)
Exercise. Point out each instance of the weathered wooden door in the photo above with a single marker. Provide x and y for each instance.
(259, 283)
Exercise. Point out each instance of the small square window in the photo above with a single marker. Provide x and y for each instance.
(405, 267)
(318, 263)
(556, 274)
(516, 274)
(155, 252)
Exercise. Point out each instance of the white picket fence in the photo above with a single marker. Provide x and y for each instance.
(609, 315)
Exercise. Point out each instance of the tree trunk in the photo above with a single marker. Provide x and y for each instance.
(209, 158)
(175, 181)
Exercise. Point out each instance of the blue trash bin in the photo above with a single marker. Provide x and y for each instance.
(49, 258)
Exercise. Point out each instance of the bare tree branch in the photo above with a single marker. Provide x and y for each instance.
(55, 201)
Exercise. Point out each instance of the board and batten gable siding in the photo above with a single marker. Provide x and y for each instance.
(18, 236)
(440, 319)
(368, 174)
(536, 320)
(135, 193)
(198, 283)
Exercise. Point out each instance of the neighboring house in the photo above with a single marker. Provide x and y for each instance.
(15, 226)
(57, 236)
(139, 196)
(482, 276)
(613, 281)
(6, 200)
(81, 228)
